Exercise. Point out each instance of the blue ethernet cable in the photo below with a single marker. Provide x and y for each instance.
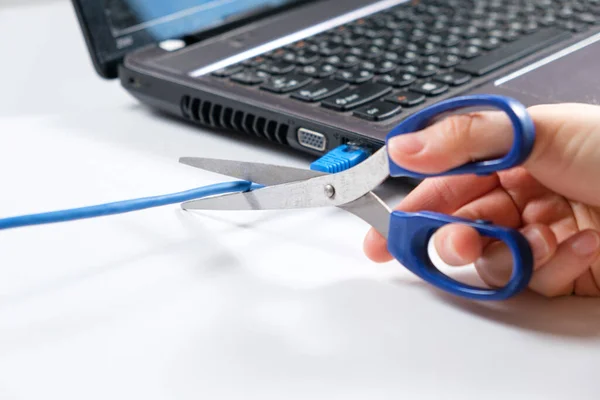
(337, 160)
(341, 158)
(126, 206)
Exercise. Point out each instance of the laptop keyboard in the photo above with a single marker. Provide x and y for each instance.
(408, 55)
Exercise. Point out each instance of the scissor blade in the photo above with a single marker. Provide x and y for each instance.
(263, 174)
(371, 209)
(322, 191)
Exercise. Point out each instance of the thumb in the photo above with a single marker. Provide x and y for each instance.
(565, 157)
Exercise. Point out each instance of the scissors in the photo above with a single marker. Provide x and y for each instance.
(407, 234)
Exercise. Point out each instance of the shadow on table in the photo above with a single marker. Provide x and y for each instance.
(214, 259)
(563, 316)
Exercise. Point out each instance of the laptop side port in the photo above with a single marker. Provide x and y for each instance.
(311, 139)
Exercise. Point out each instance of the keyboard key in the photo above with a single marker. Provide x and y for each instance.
(477, 42)
(380, 42)
(530, 27)
(547, 20)
(300, 45)
(277, 67)
(276, 54)
(465, 51)
(490, 43)
(397, 80)
(453, 78)
(513, 51)
(353, 40)
(354, 75)
(573, 26)
(349, 61)
(375, 33)
(367, 65)
(336, 38)
(302, 57)
(511, 36)
(346, 61)
(451, 41)
(444, 60)
(437, 39)
(254, 62)
(357, 51)
(306, 57)
(378, 67)
(420, 70)
(327, 48)
(383, 67)
(497, 33)
(408, 57)
(352, 98)
(320, 91)
(406, 99)
(396, 43)
(471, 32)
(317, 71)
(249, 77)
(228, 71)
(391, 56)
(289, 57)
(378, 111)
(285, 83)
(429, 88)
(373, 52)
(429, 48)
(588, 18)
(438, 27)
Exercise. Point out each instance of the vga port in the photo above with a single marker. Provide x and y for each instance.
(312, 140)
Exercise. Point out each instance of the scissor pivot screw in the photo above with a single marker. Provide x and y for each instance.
(329, 191)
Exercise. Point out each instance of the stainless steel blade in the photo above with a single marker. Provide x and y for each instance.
(371, 209)
(264, 174)
(322, 191)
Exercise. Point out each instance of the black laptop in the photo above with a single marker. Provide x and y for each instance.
(315, 74)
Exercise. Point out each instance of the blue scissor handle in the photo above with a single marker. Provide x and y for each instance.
(408, 240)
(523, 127)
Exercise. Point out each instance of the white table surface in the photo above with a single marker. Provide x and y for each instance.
(162, 304)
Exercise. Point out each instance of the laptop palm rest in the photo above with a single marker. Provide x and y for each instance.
(571, 75)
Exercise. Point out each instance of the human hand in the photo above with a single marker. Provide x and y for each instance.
(553, 198)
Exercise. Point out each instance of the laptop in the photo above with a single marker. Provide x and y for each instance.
(315, 74)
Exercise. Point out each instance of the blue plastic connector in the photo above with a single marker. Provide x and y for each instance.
(341, 158)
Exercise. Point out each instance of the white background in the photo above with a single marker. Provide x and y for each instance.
(162, 304)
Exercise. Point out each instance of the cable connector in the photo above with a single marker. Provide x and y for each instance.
(341, 158)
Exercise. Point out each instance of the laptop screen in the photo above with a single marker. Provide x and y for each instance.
(167, 19)
(113, 28)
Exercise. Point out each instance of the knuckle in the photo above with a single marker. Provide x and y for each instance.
(456, 130)
(444, 190)
(553, 291)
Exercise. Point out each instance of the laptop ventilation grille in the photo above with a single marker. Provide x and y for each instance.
(219, 116)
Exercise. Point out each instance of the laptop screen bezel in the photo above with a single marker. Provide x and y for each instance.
(102, 46)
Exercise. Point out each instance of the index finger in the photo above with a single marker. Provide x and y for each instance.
(444, 195)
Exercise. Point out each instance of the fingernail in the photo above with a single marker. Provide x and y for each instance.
(450, 248)
(587, 244)
(539, 247)
(407, 144)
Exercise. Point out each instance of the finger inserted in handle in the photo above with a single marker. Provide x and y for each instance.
(523, 139)
(408, 243)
